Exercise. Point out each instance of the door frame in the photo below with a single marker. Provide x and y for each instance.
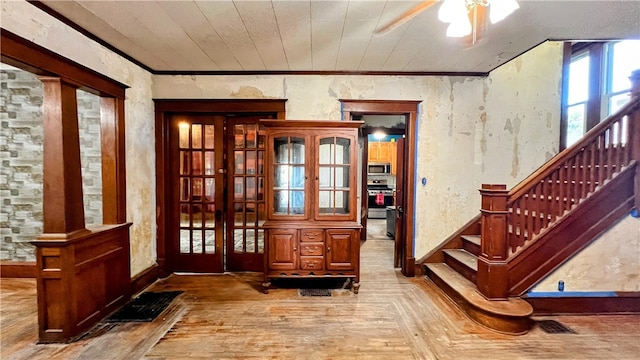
(367, 130)
(164, 108)
(409, 108)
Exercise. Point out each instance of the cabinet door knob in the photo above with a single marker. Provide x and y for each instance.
(328, 248)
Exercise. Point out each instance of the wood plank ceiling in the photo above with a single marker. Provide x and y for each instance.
(316, 35)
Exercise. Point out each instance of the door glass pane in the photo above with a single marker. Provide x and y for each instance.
(209, 163)
(342, 202)
(297, 151)
(210, 216)
(238, 188)
(185, 241)
(296, 199)
(260, 241)
(197, 241)
(260, 188)
(196, 216)
(185, 220)
(343, 150)
(196, 136)
(260, 167)
(251, 189)
(238, 243)
(209, 131)
(210, 189)
(327, 151)
(197, 189)
(184, 189)
(239, 136)
(209, 242)
(326, 177)
(238, 161)
(197, 162)
(183, 135)
(184, 163)
(250, 240)
(251, 214)
(251, 162)
(342, 177)
(261, 214)
(251, 136)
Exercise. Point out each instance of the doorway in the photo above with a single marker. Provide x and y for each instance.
(210, 184)
(405, 176)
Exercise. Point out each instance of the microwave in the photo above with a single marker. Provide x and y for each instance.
(379, 168)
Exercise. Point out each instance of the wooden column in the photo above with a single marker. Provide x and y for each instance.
(493, 279)
(634, 132)
(112, 135)
(63, 208)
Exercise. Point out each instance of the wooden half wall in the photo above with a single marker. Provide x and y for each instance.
(82, 274)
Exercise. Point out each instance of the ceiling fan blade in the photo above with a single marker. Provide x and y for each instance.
(406, 16)
(478, 18)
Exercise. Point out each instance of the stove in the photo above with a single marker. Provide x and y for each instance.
(380, 195)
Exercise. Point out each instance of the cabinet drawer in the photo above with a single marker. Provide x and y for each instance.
(311, 235)
(311, 263)
(312, 249)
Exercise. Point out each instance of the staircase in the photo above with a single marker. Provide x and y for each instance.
(525, 233)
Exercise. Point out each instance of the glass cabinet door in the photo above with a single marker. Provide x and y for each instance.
(289, 175)
(334, 176)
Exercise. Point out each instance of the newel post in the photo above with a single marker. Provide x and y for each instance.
(493, 278)
(634, 132)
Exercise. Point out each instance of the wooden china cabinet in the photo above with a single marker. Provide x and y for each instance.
(311, 230)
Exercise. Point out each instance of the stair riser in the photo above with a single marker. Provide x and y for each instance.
(471, 247)
(461, 268)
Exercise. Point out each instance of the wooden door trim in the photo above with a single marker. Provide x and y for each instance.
(164, 108)
(409, 108)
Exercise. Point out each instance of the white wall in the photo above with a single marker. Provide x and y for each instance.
(33, 24)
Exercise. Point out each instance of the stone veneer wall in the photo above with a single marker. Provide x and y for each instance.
(90, 156)
(21, 180)
(21, 156)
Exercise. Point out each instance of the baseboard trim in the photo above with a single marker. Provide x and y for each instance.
(627, 302)
(145, 278)
(18, 269)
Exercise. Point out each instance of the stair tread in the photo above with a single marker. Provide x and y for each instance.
(469, 291)
(472, 239)
(466, 258)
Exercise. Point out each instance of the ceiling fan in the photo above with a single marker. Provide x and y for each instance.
(466, 18)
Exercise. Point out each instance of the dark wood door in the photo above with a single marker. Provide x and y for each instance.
(196, 181)
(400, 247)
(245, 195)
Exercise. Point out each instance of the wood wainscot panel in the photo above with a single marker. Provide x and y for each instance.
(18, 269)
(81, 277)
(576, 303)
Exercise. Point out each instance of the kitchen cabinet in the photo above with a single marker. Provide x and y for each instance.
(383, 152)
(311, 228)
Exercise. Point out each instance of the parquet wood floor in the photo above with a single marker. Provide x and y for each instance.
(228, 317)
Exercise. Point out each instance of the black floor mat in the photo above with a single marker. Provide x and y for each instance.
(554, 327)
(145, 307)
(314, 292)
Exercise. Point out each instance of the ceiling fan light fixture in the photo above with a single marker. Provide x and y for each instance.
(459, 28)
(452, 11)
(500, 9)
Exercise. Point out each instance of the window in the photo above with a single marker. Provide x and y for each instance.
(596, 84)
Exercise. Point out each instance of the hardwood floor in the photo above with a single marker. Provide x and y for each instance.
(393, 317)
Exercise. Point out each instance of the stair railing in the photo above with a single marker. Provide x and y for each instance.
(513, 220)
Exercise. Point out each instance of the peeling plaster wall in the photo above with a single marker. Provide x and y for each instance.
(610, 263)
(470, 130)
(33, 24)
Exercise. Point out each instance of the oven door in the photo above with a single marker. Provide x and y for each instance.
(377, 204)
